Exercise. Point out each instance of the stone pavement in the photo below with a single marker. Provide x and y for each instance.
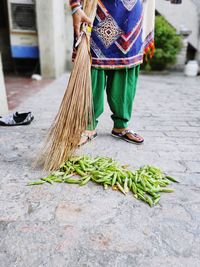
(66, 225)
(19, 88)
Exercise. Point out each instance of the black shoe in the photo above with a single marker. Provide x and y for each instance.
(16, 119)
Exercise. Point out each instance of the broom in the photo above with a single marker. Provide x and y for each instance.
(76, 109)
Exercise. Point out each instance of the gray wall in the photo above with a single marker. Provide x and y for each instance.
(197, 3)
(55, 36)
(3, 98)
(70, 35)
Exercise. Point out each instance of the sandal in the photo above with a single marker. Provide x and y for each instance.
(124, 135)
(88, 138)
(16, 119)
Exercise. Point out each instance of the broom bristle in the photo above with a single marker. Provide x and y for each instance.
(75, 112)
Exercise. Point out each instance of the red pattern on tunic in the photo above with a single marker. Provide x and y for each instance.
(74, 3)
(116, 40)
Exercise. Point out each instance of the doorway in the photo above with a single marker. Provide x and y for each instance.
(4, 37)
(12, 65)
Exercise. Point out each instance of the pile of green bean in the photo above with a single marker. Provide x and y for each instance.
(145, 183)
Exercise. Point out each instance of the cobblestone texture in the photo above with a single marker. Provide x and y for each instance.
(64, 225)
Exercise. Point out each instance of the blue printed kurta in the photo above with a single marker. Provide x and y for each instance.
(117, 34)
(116, 40)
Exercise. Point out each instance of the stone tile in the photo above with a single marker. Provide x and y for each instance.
(193, 166)
(66, 225)
(19, 88)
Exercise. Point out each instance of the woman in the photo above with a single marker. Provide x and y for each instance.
(122, 33)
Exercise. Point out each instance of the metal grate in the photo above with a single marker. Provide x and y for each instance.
(23, 17)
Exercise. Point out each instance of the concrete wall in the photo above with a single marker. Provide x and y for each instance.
(197, 3)
(185, 15)
(70, 34)
(3, 97)
(54, 37)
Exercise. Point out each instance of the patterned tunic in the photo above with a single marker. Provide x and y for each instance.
(116, 40)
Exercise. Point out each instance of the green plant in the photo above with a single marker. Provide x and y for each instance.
(167, 43)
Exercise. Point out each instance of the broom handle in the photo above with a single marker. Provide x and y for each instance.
(90, 7)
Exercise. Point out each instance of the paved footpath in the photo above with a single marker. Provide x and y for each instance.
(64, 225)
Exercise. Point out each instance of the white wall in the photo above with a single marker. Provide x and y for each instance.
(70, 35)
(3, 97)
(54, 37)
(184, 15)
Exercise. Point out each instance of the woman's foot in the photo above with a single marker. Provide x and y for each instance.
(127, 135)
(87, 136)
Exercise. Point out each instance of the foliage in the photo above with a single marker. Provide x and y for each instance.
(167, 43)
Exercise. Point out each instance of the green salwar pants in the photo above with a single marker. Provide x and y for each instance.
(120, 85)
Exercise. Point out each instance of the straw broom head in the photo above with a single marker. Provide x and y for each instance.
(75, 112)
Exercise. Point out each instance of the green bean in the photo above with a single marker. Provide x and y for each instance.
(129, 173)
(167, 182)
(155, 170)
(69, 165)
(156, 189)
(48, 180)
(105, 186)
(96, 172)
(66, 176)
(136, 177)
(80, 172)
(126, 189)
(143, 184)
(172, 179)
(145, 176)
(162, 183)
(57, 173)
(84, 182)
(156, 200)
(71, 181)
(146, 183)
(156, 196)
(51, 177)
(153, 194)
(58, 180)
(140, 191)
(102, 180)
(122, 173)
(167, 190)
(108, 182)
(89, 169)
(141, 196)
(109, 175)
(149, 201)
(114, 179)
(75, 159)
(105, 165)
(82, 165)
(119, 178)
(39, 182)
(64, 168)
(120, 188)
(130, 182)
(140, 187)
(134, 188)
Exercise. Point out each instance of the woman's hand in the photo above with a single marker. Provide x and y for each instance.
(78, 18)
